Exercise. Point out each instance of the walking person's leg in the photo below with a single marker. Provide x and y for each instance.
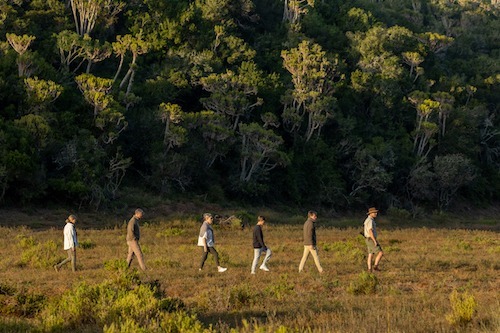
(73, 259)
(256, 256)
(314, 253)
(130, 254)
(377, 260)
(269, 253)
(139, 255)
(204, 257)
(304, 257)
(369, 261)
(214, 252)
(68, 259)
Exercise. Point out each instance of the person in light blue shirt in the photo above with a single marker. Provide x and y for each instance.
(70, 243)
(206, 240)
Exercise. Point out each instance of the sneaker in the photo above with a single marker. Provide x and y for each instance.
(221, 269)
(56, 268)
(252, 273)
(264, 268)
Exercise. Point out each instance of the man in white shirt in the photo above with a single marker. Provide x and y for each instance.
(70, 243)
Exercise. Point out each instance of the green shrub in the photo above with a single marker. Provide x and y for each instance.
(365, 284)
(281, 289)
(38, 255)
(241, 296)
(172, 304)
(174, 231)
(463, 308)
(86, 244)
(347, 251)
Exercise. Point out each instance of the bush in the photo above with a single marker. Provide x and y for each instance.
(38, 255)
(463, 308)
(281, 289)
(347, 251)
(171, 232)
(366, 284)
(86, 244)
(241, 296)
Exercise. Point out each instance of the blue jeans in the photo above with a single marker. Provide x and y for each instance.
(256, 255)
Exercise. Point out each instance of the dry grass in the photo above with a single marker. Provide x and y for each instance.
(422, 267)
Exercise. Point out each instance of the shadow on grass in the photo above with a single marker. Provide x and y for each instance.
(234, 319)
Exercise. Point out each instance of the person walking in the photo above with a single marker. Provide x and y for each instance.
(370, 233)
(259, 246)
(206, 240)
(133, 237)
(310, 241)
(70, 243)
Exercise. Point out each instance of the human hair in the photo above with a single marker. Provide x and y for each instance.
(139, 211)
(311, 213)
(261, 218)
(206, 216)
(70, 219)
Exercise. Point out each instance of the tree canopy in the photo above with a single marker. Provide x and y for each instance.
(321, 103)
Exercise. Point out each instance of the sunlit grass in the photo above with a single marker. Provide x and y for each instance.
(421, 269)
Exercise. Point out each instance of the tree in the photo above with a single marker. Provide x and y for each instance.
(233, 94)
(173, 136)
(41, 93)
(452, 172)
(21, 44)
(294, 9)
(313, 79)
(260, 151)
(137, 46)
(86, 13)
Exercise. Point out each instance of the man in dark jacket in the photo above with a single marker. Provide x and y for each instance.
(259, 246)
(133, 236)
(310, 241)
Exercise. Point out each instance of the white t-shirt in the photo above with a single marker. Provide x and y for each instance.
(370, 224)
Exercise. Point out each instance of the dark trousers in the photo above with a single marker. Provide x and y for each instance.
(205, 255)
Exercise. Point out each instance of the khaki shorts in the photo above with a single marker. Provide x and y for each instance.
(371, 246)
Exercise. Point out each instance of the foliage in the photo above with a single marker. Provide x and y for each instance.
(238, 97)
(463, 308)
(365, 284)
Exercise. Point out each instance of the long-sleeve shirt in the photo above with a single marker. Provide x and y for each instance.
(309, 233)
(258, 238)
(70, 238)
(206, 232)
(133, 232)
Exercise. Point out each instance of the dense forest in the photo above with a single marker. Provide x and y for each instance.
(328, 103)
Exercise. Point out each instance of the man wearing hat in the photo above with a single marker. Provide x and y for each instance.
(370, 233)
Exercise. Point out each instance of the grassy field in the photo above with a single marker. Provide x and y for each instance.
(438, 276)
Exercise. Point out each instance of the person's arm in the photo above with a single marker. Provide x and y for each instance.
(205, 246)
(372, 236)
(260, 238)
(130, 229)
(70, 235)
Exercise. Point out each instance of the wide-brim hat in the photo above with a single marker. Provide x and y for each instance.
(372, 210)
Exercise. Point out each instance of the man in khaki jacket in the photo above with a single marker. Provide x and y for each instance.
(310, 241)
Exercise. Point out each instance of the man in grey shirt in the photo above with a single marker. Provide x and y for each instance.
(310, 241)
(133, 236)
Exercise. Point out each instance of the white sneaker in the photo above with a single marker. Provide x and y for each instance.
(252, 273)
(221, 269)
(264, 268)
